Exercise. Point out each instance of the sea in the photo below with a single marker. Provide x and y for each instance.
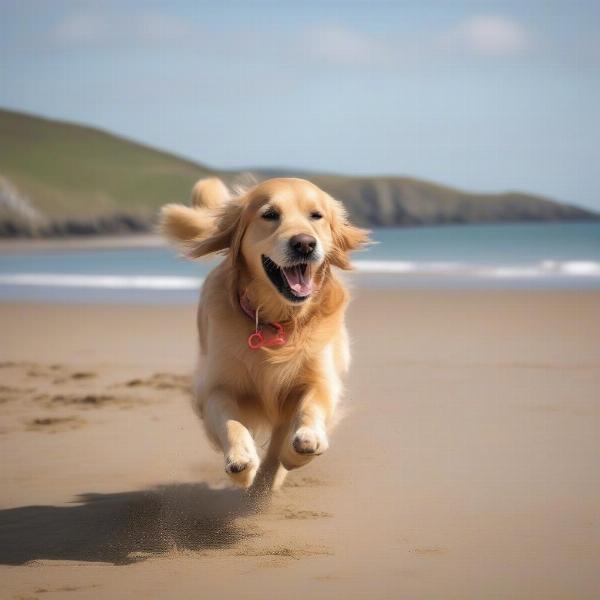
(507, 256)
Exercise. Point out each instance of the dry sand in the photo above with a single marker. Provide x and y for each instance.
(466, 466)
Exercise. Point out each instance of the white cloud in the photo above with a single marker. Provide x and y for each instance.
(80, 28)
(160, 28)
(100, 28)
(339, 45)
(490, 35)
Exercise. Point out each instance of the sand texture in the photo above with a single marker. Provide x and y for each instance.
(466, 466)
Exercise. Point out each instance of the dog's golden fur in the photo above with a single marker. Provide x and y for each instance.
(293, 389)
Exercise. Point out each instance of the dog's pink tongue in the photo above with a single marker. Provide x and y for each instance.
(300, 282)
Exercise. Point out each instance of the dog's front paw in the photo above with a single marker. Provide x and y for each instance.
(309, 441)
(305, 444)
(241, 466)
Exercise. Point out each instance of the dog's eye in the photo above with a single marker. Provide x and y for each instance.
(270, 215)
(316, 215)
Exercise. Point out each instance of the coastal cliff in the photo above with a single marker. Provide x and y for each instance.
(59, 179)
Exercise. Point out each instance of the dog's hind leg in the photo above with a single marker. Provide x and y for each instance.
(224, 425)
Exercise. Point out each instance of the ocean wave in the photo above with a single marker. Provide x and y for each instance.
(405, 269)
(142, 282)
(546, 268)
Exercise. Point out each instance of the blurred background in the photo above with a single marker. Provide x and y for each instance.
(464, 133)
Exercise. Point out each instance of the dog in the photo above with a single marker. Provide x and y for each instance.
(273, 342)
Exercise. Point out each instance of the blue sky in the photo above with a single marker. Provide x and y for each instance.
(479, 95)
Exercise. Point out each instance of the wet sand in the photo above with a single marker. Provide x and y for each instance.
(466, 465)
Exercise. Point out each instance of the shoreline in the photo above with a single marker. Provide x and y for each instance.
(100, 242)
(156, 240)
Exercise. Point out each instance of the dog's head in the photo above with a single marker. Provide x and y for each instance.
(282, 232)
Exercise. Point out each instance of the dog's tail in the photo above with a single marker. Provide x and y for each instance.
(181, 223)
(210, 193)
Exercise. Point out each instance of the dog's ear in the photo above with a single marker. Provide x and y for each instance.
(346, 237)
(227, 234)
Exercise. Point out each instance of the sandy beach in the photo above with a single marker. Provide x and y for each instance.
(466, 465)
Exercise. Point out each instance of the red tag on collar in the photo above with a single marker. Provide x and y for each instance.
(257, 339)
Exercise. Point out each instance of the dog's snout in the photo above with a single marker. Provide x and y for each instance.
(303, 244)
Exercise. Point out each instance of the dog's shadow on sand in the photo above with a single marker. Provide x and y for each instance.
(121, 528)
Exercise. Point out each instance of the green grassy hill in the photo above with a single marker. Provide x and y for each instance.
(76, 177)
(60, 178)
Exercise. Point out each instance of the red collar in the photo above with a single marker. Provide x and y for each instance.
(257, 339)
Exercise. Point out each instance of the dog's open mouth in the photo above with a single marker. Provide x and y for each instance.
(294, 283)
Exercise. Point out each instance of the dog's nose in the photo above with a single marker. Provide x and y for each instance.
(303, 244)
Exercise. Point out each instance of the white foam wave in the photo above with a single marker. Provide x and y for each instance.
(544, 269)
(581, 268)
(401, 267)
(142, 282)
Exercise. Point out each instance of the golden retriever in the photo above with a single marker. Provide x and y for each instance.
(273, 344)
